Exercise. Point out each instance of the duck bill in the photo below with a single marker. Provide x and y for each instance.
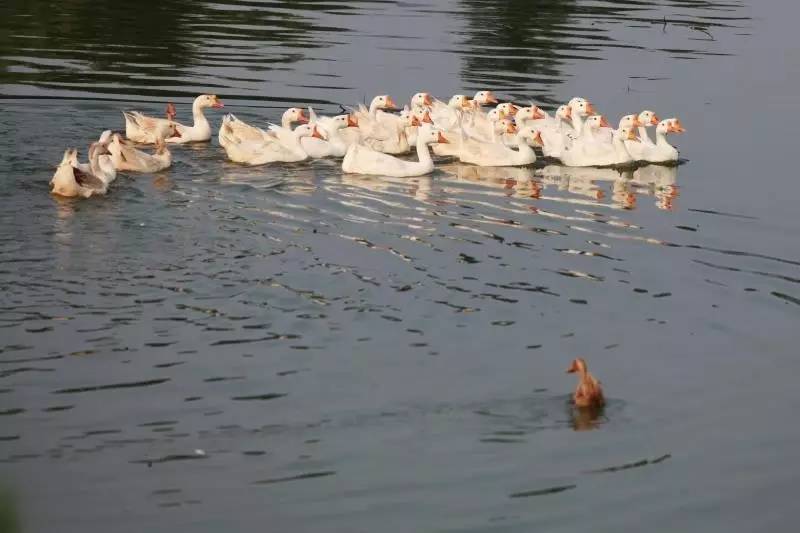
(604, 123)
(316, 133)
(390, 103)
(414, 121)
(217, 104)
(636, 122)
(302, 118)
(590, 109)
(512, 110)
(490, 99)
(538, 138)
(511, 129)
(655, 120)
(352, 121)
(468, 104)
(537, 113)
(426, 118)
(427, 100)
(442, 139)
(676, 127)
(632, 136)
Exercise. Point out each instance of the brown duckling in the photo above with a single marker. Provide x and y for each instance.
(588, 392)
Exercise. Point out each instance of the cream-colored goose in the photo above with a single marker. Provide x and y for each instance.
(284, 148)
(364, 160)
(662, 151)
(143, 129)
(70, 180)
(200, 131)
(499, 155)
(247, 132)
(647, 118)
(127, 158)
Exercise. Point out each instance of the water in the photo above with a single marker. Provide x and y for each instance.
(289, 348)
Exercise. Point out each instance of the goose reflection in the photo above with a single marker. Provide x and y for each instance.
(514, 181)
(659, 181)
(586, 418)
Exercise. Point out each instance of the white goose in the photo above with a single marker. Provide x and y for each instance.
(586, 152)
(647, 118)
(285, 148)
(201, 130)
(334, 144)
(557, 135)
(499, 155)
(363, 160)
(662, 151)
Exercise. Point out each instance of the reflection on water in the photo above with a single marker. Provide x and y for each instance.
(274, 50)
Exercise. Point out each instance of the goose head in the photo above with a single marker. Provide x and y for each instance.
(422, 115)
(208, 100)
(505, 125)
(564, 112)
(294, 114)
(530, 113)
(495, 115)
(626, 133)
(430, 135)
(582, 107)
(382, 101)
(167, 130)
(630, 121)
(308, 130)
(578, 365)
(648, 118)
(459, 101)
(508, 109)
(409, 118)
(531, 136)
(485, 98)
(421, 100)
(596, 122)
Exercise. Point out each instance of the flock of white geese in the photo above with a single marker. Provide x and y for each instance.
(479, 131)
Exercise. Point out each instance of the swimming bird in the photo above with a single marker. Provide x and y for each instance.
(588, 392)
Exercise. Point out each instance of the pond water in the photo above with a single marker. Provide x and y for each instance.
(288, 348)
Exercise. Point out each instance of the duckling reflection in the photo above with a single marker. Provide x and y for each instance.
(659, 181)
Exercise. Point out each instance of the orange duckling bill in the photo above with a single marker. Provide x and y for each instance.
(588, 393)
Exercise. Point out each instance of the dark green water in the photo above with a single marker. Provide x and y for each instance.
(369, 354)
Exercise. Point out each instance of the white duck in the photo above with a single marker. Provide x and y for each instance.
(586, 152)
(363, 160)
(201, 130)
(127, 158)
(581, 108)
(70, 180)
(647, 118)
(246, 132)
(557, 135)
(143, 129)
(334, 144)
(285, 148)
(662, 151)
(499, 155)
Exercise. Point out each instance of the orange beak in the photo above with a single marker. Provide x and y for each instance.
(676, 127)
(352, 121)
(604, 123)
(538, 138)
(427, 118)
(414, 121)
(513, 110)
(490, 99)
(442, 139)
(511, 128)
(655, 120)
(537, 113)
(390, 103)
(217, 103)
(317, 134)
(636, 122)
(175, 132)
(427, 100)
(301, 117)
(569, 112)
(632, 135)
(467, 103)
(590, 109)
